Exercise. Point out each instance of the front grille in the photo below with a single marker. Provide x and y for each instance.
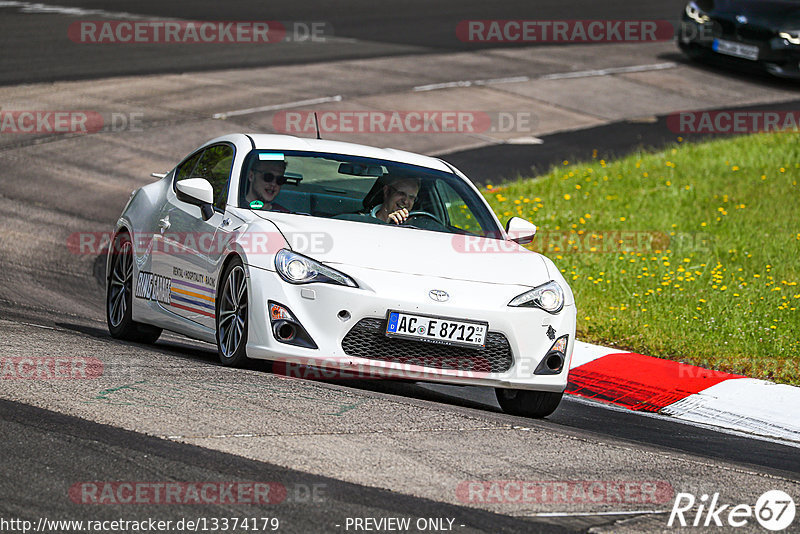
(728, 29)
(367, 340)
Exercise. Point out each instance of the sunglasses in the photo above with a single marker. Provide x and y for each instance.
(270, 177)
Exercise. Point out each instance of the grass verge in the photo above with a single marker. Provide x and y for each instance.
(690, 254)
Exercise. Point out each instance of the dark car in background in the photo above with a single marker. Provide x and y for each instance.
(763, 33)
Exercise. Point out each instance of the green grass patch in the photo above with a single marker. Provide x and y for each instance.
(690, 254)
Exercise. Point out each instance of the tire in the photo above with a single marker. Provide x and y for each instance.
(232, 315)
(528, 403)
(691, 52)
(119, 296)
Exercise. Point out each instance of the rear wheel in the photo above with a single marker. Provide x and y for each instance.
(119, 296)
(232, 312)
(527, 403)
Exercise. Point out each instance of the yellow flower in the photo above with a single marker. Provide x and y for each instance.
(567, 196)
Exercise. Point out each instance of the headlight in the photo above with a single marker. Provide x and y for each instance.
(696, 14)
(549, 297)
(298, 269)
(792, 36)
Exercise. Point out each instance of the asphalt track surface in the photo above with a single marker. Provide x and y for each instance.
(50, 451)
(66, 445)
(35, 51)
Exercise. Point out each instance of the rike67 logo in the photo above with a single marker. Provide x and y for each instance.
(774, 510)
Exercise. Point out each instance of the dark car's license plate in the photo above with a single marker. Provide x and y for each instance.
(731, 48)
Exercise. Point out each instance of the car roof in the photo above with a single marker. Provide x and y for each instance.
(289, 142)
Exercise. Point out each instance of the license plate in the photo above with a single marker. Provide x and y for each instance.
(436, 329)
(735, 49)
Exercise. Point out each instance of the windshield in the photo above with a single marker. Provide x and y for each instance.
(362, 190)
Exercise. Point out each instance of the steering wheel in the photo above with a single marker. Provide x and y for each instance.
(422, 216)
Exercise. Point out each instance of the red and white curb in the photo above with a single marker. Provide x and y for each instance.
(685, 392)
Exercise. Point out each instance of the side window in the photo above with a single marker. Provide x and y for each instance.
(186, 168)
(215, 166)
(458, 213)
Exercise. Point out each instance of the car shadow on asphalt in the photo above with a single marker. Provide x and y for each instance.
(741, 70)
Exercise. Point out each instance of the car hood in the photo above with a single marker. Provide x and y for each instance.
(783, 14)
(411, 251)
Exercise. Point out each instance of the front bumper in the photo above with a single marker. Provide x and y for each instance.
(329, 312)
(775, 54)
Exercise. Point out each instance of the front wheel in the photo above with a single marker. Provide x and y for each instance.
(232, 314)
(527, 403)
(119, 296)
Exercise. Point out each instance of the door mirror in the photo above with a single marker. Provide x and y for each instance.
(520, 231)
(198, 192)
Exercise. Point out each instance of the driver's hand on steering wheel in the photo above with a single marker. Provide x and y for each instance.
(399, 216)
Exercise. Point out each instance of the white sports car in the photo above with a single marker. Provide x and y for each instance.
(348, 258)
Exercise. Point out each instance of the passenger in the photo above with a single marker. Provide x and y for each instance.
(265, 180)
(399, 196)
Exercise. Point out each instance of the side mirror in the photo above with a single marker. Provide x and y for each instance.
(198, 192)
(520, 231)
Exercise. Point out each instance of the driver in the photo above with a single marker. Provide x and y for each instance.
(399, 196)
(265, 180)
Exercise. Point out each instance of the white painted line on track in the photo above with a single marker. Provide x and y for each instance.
(38, 8)
(555, 76)
(531, 140)
(275, 107)
(607, 72)
(590, 514)
(36, 325)
(469, 83)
